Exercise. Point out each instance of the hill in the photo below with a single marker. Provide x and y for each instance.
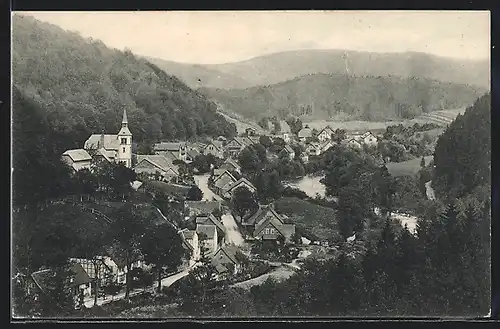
(339, 97)
(278, 67)
(85, 86)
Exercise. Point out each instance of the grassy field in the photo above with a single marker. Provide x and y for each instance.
(407, 168)
(170, 189)
(242, 124)
(317, 220)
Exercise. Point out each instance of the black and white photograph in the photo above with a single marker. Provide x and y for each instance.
(250, 164)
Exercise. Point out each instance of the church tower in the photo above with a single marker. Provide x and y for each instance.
(124, 143)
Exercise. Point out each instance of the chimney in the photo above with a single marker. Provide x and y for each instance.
(101, 143)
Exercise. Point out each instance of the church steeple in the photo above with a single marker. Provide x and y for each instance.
(124, 120)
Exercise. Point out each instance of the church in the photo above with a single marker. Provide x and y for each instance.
(113, 148)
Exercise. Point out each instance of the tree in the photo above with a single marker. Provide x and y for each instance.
(264, 123)
(162, 247)
(204, 162)
(127, 230)
(265, 141)
(249, 159)
(243, 201)
(194, 194)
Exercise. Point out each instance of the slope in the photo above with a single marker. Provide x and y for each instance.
(278, 67)
(85, 87)
(336, 96)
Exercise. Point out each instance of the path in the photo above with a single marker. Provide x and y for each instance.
(233, 234)
(202, 182)
(166, 282)
(280, 273)
(429, 191)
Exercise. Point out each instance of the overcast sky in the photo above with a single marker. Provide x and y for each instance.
(221, 37)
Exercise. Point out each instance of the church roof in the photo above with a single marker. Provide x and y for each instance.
(78, 155)
(94, 142)
(124, 120)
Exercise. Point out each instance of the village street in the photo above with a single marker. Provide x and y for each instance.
(233, 234)
(165, 282)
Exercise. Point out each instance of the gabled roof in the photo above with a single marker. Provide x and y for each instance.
(288, 148)
(109, 155)
(218, 172)
(243, 141)
(326, 128)
(230, 251)
(305, 132)
(159, 161)
(209, 230)
(168, 146)
(43, 279)
(216, 144)
(225, 172)
(232, 163)
(111, 142)
(242, 180)
(259, 215)
(78, 155)
(210, 220)
(187, 235)
(193, 153)
(366, 134)
(259, 225)
(285, 127)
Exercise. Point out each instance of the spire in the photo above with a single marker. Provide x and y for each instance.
(101, 142)
(124, 120)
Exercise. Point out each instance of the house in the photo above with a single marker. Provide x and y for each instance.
(353, 143)
(215, 148)
(77, 159)
(267, 224)
(217, 172)
(116, 148)
(119, 264)
(190, 242)
(313, 149)
(288, 151)
(325, 134)
(242, 182)
(225, 180)
(250, 131)
(158, 167)
(236, 145)
(178, 149)
(195, 208)
(207, 235)
(225, 260)
(304, 134)
(231, 164)
(285, 131)
(209, 219)
(107, 270)
(79, 280)
(326, 145)
(369, 139)
(191, 154)
(304, 157)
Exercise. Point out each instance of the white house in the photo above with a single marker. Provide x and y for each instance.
(77, 159)
(190, 242)
(325, 134)
(207, 235)
(369, 139)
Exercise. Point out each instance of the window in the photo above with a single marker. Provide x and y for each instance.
(267, 231)
(124, 141)
(123, 149)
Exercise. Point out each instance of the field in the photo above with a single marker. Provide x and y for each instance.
(242, 124)
(311, 218)
(407, 168)
(170, 189)
(442, 117)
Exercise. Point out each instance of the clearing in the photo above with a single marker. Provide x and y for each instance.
(407, 168)
(310, 185)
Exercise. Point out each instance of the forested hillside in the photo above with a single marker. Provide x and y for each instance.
(463, 152)
(85, 86)
(326, 96)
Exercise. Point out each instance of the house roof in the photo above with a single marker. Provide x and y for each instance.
(109, 155)
(217, 144)
(259, 215)
(229, 173)
(327, 128)
(168, 146)
(159, 161)
(43, 279)
(218, 172)
(118, 256)
(231, 163)
(94, 142)
(193, 153)
(285, 127)
(230, 251)
(243, 141)
(78, 155)
(209, 230)
(305, 132)
(242, 180)
(366, 134)
(205, 207)
(187, 235)
(210, 220)
(288, 148)
(262, 222)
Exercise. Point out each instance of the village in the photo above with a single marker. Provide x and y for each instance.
(210, 229)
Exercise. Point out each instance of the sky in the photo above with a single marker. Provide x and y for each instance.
(210, 37)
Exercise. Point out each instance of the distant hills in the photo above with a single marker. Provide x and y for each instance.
(336, 96)
(83, 87)
(274, 68)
